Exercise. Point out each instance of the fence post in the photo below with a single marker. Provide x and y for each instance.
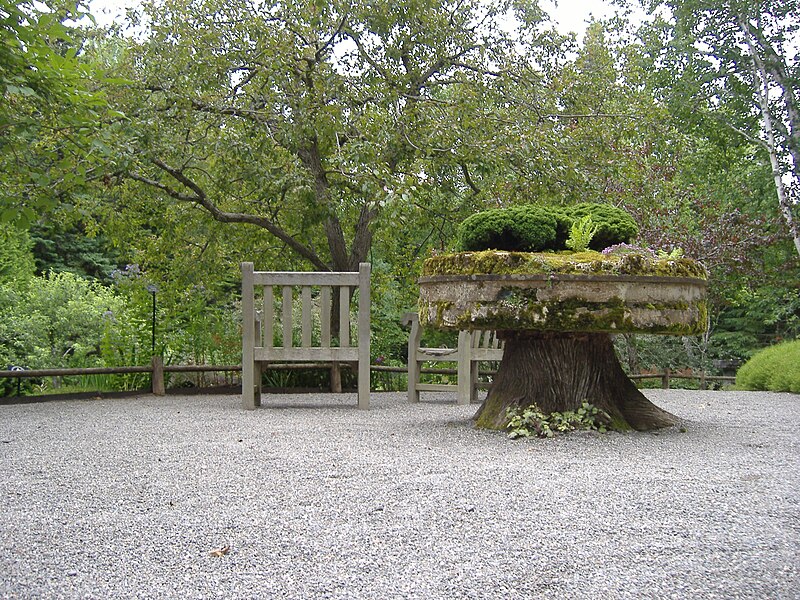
(158, 376)
(665, 379)
(703, 385)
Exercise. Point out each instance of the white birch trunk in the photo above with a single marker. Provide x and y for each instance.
(762, 93)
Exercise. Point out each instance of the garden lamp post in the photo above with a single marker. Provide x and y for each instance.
(153, 289)
(157, 362)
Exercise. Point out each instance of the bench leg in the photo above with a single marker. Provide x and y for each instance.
(248, 385)
(258, 372)
(464, 394)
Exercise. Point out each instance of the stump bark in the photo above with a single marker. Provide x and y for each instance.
(560, 371)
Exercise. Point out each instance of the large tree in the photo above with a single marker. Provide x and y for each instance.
(313, 121)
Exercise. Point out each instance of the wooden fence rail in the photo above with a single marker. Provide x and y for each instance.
(157, 369)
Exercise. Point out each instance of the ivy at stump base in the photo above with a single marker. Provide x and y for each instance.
(558, 372)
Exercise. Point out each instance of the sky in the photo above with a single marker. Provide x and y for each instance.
(570, 15)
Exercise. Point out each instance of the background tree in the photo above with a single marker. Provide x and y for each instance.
(737, 60)
(49, 108)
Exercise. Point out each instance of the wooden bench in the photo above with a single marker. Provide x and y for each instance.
(473, 348)
(258, 345)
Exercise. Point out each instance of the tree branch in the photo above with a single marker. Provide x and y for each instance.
(468, 178)
(200, 198)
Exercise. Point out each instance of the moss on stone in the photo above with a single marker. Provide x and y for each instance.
(518, 312)
(497, 262)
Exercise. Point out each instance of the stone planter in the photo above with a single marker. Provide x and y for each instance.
(585, 303)
(556, 312)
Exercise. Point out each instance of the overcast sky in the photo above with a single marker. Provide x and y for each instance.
(571, 15)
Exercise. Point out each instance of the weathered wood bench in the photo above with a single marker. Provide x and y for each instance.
(258, 334)
(473, 348)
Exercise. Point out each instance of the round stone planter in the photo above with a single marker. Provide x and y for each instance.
(555, 313)
(564, 302)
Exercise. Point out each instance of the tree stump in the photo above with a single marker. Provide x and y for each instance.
(558, 372)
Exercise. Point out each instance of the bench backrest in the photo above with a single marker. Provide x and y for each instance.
(473, 347)
(258, 339)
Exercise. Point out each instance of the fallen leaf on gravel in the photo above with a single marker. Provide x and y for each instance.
(221, 551)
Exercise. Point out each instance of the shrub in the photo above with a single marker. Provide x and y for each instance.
(525, 228)
(532, 228)
(614, 225)
(776, 369)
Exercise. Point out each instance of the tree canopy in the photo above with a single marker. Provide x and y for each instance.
(737, 60)
(305, 135)
(49, 111)
(315, 122)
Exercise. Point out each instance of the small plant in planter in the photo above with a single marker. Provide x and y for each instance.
(556, 308)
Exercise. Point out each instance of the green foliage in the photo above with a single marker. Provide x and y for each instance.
(340, 139)
(581, 234)
(775, 369)
(16, 259)
(531, 228)
(612, 225)
(532, 422)
(673, 254)
(57, 321)
(49, 108)
(728, 61)
(68, 248)
(525, 228)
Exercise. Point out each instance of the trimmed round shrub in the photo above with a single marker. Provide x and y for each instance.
(774, 369)
(533, 228)
(526, 228)
(614, 225)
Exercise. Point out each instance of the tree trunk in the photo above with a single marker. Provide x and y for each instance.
(558, 372)
(762, 93)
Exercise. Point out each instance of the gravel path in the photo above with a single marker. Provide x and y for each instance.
(126, 498)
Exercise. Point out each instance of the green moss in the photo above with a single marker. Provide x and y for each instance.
(519, 309)
(497, 262)
(533, 228)
(617, 422)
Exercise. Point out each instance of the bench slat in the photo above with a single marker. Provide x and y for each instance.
(306, 354)
(305, 278)
(268, 316)
(287, 317)
(305, 297)
(344, 317)
(435, 387)
(325, 316)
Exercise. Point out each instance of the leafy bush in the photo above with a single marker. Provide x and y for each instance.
(532, 228)
(614, 225)
(776, 369)
(532, 422)
(525, 228)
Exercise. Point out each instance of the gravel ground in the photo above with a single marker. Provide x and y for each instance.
(126, 498)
